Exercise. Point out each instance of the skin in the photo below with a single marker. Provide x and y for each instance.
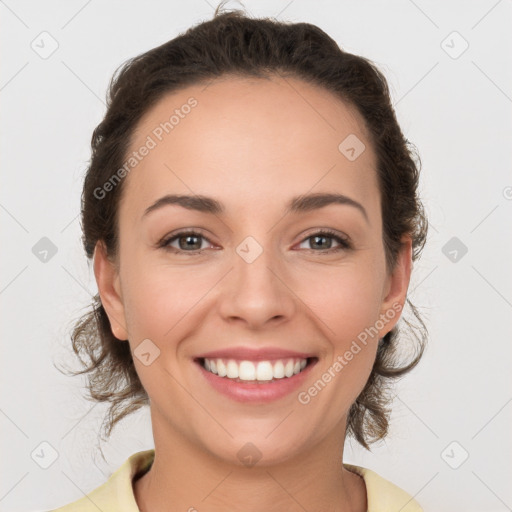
(252, 144)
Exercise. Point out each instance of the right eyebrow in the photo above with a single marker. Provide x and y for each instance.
(200, 203)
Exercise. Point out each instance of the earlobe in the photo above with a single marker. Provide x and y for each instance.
(397, 285)
(107, 279)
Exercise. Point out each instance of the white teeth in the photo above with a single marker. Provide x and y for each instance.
(288, 369)
(221, 368)
(279, 370)
(232, 370)
(247, 371)
(262, 370)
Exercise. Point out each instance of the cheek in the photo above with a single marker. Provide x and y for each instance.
(162, 303)
(161, 306)
(347, 301)
(155, 303)
(348, 311)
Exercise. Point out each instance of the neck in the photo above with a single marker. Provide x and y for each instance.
(184, 477)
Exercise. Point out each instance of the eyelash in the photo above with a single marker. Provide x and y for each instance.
(344, 242)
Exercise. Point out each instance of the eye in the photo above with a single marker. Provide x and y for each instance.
(192, 242)
(188, 241)
(323, 240)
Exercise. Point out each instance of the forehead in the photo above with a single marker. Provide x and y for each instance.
(242, 137)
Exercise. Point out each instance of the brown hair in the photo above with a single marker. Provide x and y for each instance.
(232, 43)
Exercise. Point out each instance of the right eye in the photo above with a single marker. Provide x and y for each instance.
(186, 240)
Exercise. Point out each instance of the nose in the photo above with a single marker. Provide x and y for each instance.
(257, 292)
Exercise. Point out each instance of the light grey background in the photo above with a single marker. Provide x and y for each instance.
(454, 106)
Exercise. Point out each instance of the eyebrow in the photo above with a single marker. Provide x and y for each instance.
(299, 204)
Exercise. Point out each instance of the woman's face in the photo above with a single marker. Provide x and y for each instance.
(258, 280)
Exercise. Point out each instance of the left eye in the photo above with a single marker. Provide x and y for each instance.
(321, 237)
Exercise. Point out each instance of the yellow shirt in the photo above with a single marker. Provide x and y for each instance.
(116, 494)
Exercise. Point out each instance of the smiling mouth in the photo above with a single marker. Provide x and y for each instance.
(245, 371)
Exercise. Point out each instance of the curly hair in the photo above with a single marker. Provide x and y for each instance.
(232, 43)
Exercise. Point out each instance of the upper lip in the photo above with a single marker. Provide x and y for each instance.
(254, 354)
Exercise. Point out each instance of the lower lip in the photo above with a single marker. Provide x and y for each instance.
(257, 392)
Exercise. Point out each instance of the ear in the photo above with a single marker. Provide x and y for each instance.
(107, 279)
(395, 289)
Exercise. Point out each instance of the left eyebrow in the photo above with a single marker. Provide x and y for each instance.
(299, 204)
(309, 202)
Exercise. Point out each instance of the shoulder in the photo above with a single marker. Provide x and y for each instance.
(117, 492)
(383, 495)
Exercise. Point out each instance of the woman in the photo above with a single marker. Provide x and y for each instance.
(251, 208)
